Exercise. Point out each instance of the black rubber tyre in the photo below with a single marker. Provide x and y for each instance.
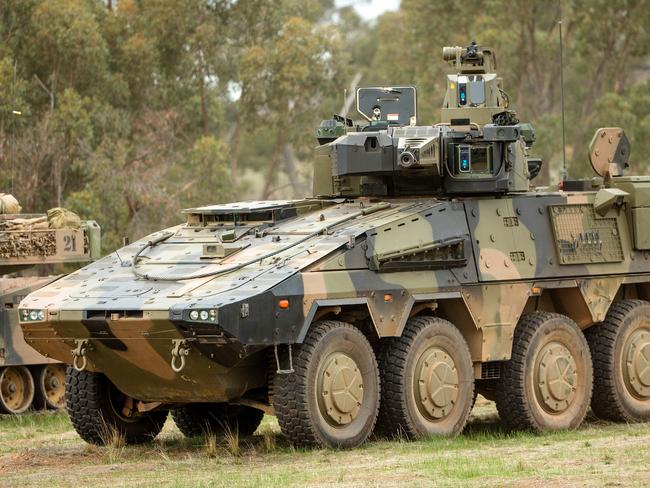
(94, 406)
(547, 384)
(202, 418)
(620, 350)
(332, 398)
(427, 380)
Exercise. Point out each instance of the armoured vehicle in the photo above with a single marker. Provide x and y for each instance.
(424, 268)
(31, 243)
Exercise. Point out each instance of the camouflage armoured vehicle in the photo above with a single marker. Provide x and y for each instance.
(424, 268)
(26, 241)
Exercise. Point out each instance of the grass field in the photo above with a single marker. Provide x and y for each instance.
(42, 449)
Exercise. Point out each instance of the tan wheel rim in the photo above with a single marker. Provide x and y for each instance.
(557, 377)
(340, 389)
(53, 385)
(436, 388)
(637, 364)
(16, 389)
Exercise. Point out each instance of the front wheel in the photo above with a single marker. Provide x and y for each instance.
(96, 409)
(332, 398)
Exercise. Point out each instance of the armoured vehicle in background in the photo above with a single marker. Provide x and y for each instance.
(28, 241)
(425, 268)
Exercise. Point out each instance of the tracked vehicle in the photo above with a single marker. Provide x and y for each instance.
(424, 268)
(27, 241)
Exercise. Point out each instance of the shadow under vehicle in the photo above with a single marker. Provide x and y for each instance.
(426, 267)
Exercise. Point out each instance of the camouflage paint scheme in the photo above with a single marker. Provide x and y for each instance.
(131, 322)
(14, 351)
(270, 269)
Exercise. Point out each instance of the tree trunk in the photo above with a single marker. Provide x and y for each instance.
(234, 148)
(292, 172)
(273, 167)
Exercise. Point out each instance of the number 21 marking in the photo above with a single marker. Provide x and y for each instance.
(69, 243)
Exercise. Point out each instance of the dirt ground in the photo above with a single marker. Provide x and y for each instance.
(42, 449)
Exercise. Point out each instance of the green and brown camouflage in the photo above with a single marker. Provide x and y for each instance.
(28, 241)
(405, 219)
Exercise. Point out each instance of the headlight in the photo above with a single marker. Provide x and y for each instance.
(206, 315)
(31, 315)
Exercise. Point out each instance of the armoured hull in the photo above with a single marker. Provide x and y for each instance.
(481, 262)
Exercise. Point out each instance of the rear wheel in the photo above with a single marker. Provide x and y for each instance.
(50, 386)
(620, 348)
(96, 409)
(16, 389)
(547, 384)
(332, 398)
(201, 418)
(427, 380)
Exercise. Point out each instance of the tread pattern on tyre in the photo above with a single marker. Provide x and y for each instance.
(602, 337)
(512, 405)
(289, 392)
(200, 418)
(392, 356)
(87, 409)
(81, 391)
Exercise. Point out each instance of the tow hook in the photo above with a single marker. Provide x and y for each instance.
(79, 359)
(180, 350)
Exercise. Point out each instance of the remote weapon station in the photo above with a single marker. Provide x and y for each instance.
(424, 269)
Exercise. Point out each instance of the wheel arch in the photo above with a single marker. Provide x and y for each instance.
(379, 323)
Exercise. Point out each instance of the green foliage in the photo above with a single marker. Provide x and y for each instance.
(131, 110)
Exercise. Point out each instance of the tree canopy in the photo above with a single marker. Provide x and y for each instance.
(128, 111)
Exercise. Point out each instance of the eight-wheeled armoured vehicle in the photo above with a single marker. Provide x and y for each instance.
(424, 268)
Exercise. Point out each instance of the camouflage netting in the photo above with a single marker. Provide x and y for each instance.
(9, 204)
(32, 236)
(23, 244)
(60, 218)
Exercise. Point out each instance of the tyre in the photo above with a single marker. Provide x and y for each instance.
(201, 418)
(332, 397)
(427, 380)
(547, 384)
(95, 407)
(50, 386)
(620, 350)
(16, 389)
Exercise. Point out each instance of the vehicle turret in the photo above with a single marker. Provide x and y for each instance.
(477, 147)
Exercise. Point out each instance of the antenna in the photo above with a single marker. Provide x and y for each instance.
(564, 168)
(345, 104)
